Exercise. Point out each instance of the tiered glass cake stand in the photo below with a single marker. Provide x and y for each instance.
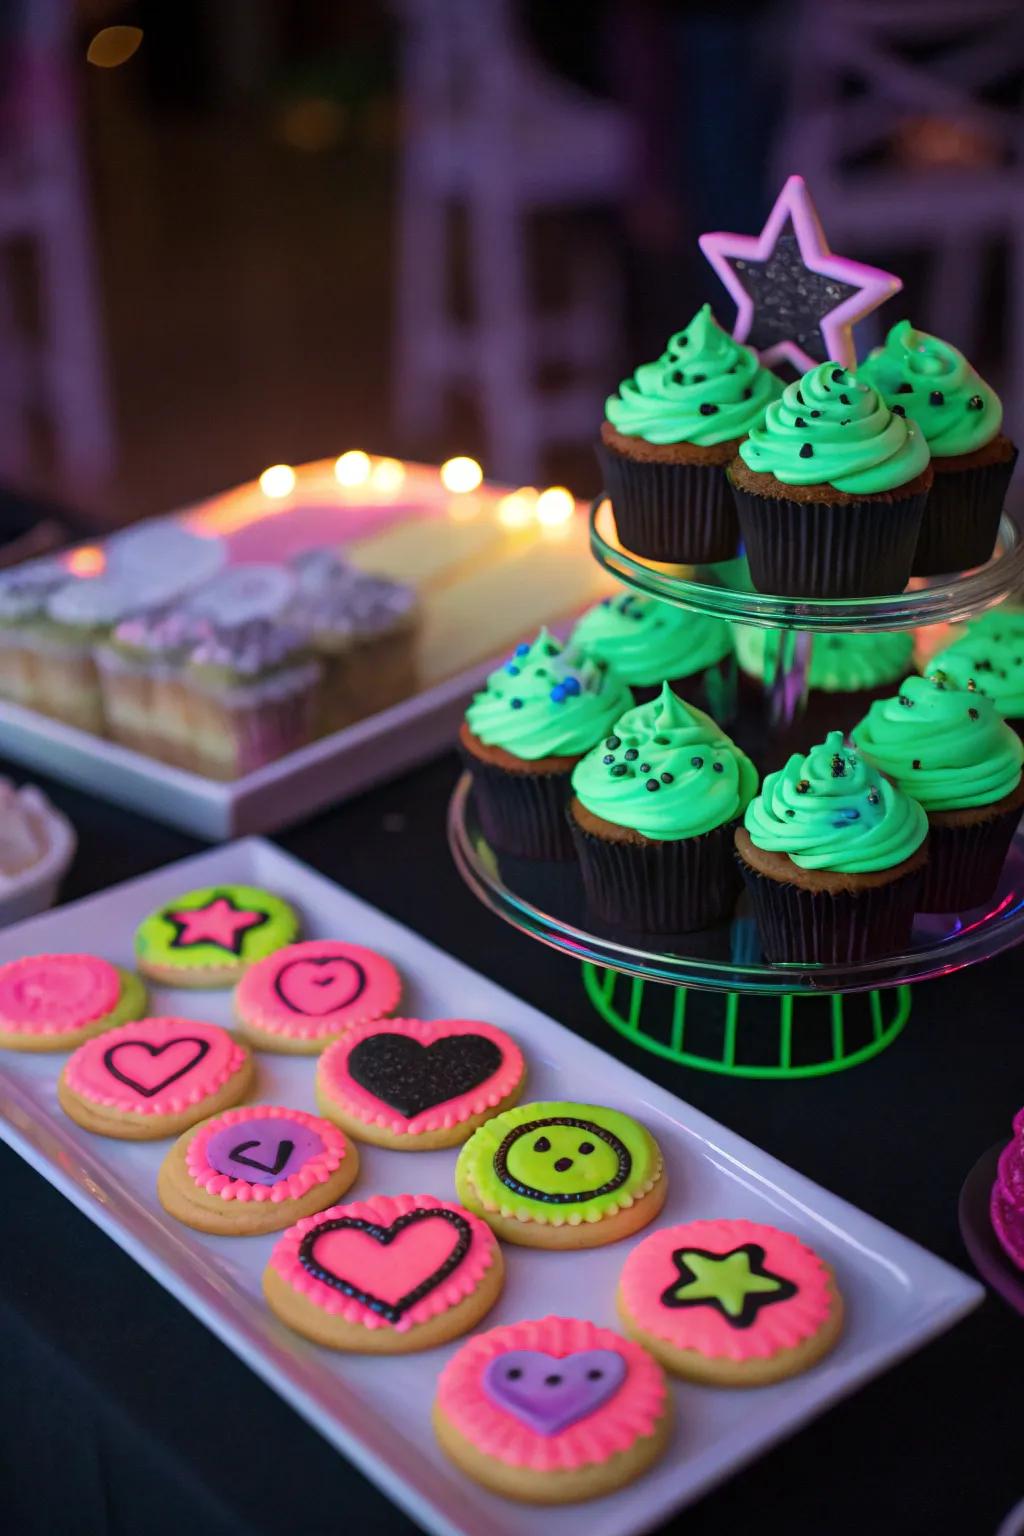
(709, 1000)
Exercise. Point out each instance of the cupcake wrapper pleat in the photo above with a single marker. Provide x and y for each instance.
(680, 513)
(961, 518)
(659, 887)
(522, 813)
(819, 549)
(832, 927)
(964, 863)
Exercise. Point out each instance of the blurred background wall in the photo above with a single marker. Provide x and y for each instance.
(235, 232)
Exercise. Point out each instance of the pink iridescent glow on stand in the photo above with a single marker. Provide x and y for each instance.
(794, 205)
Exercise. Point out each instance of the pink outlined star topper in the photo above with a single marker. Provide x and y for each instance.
(795, 300)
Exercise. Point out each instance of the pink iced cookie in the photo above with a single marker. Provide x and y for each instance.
(385, 1275)
(154, 1078)
(256, 1169)
(730, 1302)
(1007, 1201)
(54, 1002)
(419, 1084)
(553, 1410)
(308, 994)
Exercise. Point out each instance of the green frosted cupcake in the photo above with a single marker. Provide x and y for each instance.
(653, 814)
(670, 432)
(649, 642)
(830, 491)
(525, 732)
(833, 857)
(988, 652)
(948, 748)
(961, 418)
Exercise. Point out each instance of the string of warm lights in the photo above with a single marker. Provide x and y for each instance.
(461, 475)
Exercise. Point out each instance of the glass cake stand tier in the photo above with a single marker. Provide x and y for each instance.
(724, 591)
(545, 901)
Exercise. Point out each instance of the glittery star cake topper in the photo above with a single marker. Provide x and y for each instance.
(796, 300)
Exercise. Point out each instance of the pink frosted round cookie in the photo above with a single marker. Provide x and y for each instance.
(256, 1169)
(385, 1276)
(54, 1002)
(154, 1078)
(303, 997)
(733, 1303)
(552, 1411)
(419, 1084)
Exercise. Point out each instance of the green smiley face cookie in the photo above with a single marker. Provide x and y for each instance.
(219, 926)
(555, 1163)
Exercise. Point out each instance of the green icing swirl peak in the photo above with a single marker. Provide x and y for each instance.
(834, 811)
(547, 701)
(936, 385)
(706, 388)
(830, 428)
(942, 744)
(667, 771)
(647, 641)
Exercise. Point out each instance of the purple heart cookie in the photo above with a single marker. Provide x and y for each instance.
(547, 1393)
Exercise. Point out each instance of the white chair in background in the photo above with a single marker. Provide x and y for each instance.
(488, 131)
(59, 372)
(909, 62)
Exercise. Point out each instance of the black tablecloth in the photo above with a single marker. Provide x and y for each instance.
(120, 1414)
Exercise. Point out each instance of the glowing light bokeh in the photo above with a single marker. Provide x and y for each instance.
(277, 481)
(460, 475)
(353, 468)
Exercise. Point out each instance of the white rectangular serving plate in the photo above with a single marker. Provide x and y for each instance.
(377, 1411)
(283, 792)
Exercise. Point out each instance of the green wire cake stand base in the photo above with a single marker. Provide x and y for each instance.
(746, 1035)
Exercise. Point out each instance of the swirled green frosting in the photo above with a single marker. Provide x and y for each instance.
(647, 641)
(989, 652)
(830, 428)
(947, 747)
(705, 388)
(936, 385)
(839, 663)
(548, 701)
(832, 810)
(667, 771)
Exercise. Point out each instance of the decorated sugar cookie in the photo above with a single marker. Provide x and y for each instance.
(385, 1276)
(154, 1078)
(256, 1169)
(418, 1084)
(306, 995)
(733, 1303)
(562, 1175)
(54, 1002)
(208, 938)
(552, 1411)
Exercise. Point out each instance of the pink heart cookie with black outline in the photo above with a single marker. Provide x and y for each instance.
(306, 995)
(386, 1275)
(153, 1078)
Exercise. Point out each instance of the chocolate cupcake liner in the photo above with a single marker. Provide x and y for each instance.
(522, 813)
(680, 513)
(965, 862)
(832, 927)
(713, 689)
(961, 518)
(659, 887)
(822, 549)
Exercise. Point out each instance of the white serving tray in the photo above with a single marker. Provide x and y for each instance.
(377, 1411)
(285, 791)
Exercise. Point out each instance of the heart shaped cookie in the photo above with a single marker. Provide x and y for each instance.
(306, 995)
